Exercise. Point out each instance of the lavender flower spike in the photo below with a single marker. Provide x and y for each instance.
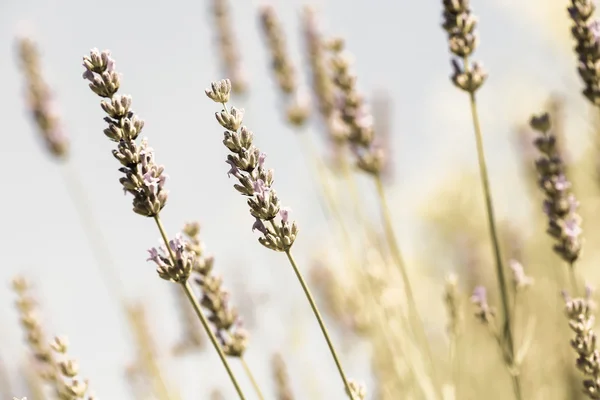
(179, 271)
(560, 204)
(143, 178)
(586, 32)
(40, 101)
(247, 164)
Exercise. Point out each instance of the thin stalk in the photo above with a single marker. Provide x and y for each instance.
(192, 298)
(324, 330)
(358, 208)
(93, 234)
(399, 261)
(252, 379)
(349, 254)
(504, 295)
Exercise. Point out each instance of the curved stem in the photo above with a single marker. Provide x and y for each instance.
(252, 379)
(324, 330)
(192, 298)
(399, 261)
(506, 329)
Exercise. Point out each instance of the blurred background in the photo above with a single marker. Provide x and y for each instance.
(166, 52)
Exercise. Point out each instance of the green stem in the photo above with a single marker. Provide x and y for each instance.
(506, 331)
(317, 314)
(192, 298)
(399, 261)
(252, 379)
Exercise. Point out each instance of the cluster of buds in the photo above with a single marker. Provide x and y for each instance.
(227, 46)
(322, 85)
(40, 101)
(191, 260)
(298, 107)
(560, 205)
(34, 333)
(580, 312)
(354, 113)
(460, 25)
(315, 47)
(70, 386)
(247, 165)
(586, 32)
(174, 264)
(144, 179)
(215, 299)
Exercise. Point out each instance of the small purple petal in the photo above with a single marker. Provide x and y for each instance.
(259, 226)
(261, 159)
(284, 214)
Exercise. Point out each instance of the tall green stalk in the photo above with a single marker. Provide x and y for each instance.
(507, 332)
(317, 314)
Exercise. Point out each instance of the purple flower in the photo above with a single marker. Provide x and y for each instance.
(284, 214)
(261, 160)
(572, 228)
(154, 255)
(87, 74)
(233, 170)
(479, 296)
(260, 188)
(259, 226)
(561, 183)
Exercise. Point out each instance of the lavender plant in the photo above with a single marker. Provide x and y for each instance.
(580, 312)
(560, 204)
(227, 46)
(247, 165)
(144, 179)
(460, 24)
(586, 31)
(360, 136)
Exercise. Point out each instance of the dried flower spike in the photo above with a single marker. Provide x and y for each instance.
(40, 100)
(297, 102)
(460, 25)
(70, 386)
(580, 312)
(144, 179)
(226, 43)
(255, 182)
(247, 164)
(560, 204)
(354, 112)
(586, 32)
(177, 270)
(223, 316)
(43, 359)
(280, 376)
